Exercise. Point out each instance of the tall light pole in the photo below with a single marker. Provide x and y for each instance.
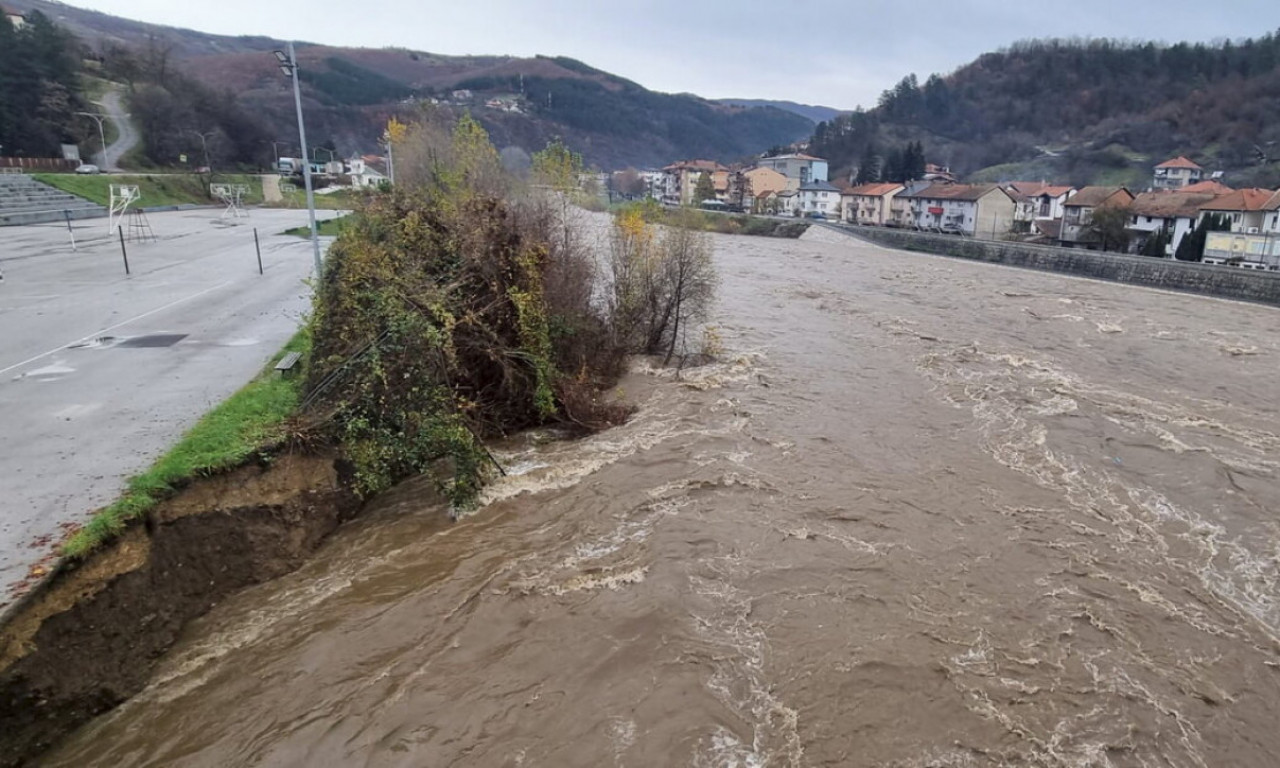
(275, 147)
(391, 160)
(204, 145)
(102, 134)
(289, 66)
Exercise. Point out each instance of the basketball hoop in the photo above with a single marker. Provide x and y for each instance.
(122, 196)
(232, 195)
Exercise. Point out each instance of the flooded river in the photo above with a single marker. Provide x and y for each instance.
(926, 513)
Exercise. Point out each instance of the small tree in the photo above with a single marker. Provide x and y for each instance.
(1157, 243)
(660, 285)
(1192, 246)
(705, 189)
(628, 183)
(1109, 225)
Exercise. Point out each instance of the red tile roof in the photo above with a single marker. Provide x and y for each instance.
(969, 192)
(1028, 189)
(1216, 187)
(1092, 197)
(1180, 162)
(695, 165)
(1051, 228)
(1241, 200)
(1170, 204)
(872, 190)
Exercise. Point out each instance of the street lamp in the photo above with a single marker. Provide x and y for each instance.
(102, 134)
(289, 66)
(275, 148)
(204, 145)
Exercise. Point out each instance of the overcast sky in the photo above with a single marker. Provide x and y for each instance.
(839, 53)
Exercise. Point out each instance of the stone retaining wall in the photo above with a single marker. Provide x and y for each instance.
(1227, 282)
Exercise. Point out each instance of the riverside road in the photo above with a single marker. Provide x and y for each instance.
(101, 371)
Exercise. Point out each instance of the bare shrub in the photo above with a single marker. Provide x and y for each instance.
(662, 281)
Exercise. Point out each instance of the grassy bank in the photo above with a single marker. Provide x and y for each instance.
(224, 437)
(344, 200)
(156, 190)
(326, 228)
(723, 223)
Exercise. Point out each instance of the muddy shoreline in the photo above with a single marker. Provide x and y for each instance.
(89, 637)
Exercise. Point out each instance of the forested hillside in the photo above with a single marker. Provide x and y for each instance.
(39, 88)
(1083, 111)
(184, 85)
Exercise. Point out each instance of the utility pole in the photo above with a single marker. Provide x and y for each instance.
(289, 66)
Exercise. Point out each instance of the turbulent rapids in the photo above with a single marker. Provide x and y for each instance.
(923, 513)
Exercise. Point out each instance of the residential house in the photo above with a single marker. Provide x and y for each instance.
(901, 208)
(1175, 211)
(1177, 173)
(977, 210)
(15, 17)
(938, 173)
(366, 170)
(682, 178)
(1245, 209)
(868, 203)
(748, 188)
(800, 169)
(787, 202)
(1258, 250)
(720, 182)
(819, 197)
(1077, 213)
(1037, 200)
(654, 183)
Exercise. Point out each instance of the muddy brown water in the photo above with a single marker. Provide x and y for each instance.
(925, 513)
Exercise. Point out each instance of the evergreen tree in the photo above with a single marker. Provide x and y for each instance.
(1192, 246)
(1156, 243)
(894, 166)
(869, 166)
(913, 165)
(705, 189)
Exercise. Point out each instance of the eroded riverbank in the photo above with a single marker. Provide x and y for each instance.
(927, 513)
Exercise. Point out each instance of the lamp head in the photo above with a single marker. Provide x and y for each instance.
(286, 66)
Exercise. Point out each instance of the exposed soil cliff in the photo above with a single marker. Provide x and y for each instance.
(91, 636)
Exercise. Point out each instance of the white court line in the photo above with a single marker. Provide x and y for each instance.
(97, 333)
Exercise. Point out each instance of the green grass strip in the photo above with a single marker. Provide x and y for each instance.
(154, 190)
(326, 228)
(243, 424)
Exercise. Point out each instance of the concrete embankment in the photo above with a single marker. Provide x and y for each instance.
(89, 638)
(1223, 281)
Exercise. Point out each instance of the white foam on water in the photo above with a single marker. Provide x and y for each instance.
(739, 678)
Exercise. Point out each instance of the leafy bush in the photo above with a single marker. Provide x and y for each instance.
(451, 311)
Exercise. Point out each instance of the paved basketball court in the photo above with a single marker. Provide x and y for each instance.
(100, 371)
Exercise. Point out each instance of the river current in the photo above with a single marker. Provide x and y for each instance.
(924, 512)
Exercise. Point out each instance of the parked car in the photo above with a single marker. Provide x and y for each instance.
(818, 215)
(87, 168)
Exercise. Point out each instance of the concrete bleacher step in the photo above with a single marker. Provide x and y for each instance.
(23, 200)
